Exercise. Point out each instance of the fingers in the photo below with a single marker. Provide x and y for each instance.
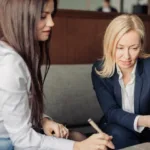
(104, 140)
(50, 127)
(105, 143)
(64, 132)
(103, 135)
(102, 147)
(57, 131)
(61, 131)
(110, 145)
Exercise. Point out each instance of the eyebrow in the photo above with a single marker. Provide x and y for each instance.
(47, 12)
(130, 45)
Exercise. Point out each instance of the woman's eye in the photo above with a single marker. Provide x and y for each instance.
(43, 17)
(120, 48)
(134, 48)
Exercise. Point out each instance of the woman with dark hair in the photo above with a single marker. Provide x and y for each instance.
(25, 27)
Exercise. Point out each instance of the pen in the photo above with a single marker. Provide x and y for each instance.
(94, 125)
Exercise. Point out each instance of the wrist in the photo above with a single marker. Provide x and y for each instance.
(44, 120)
(144, 121)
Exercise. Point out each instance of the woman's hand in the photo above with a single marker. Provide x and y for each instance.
(100, 141)
(144, 121)
(50, 127)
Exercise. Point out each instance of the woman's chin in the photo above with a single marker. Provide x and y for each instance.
(43, 39)
(126, 66)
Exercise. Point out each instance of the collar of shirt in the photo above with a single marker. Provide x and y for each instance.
(132, 73)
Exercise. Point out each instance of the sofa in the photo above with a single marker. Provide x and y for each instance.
(70, 98)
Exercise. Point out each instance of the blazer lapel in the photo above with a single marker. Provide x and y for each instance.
(138, 86)
(117, 88)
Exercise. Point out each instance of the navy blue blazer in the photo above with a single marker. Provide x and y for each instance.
(108, 92)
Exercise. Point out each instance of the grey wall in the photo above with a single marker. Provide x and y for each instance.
(129, 3)
(92, 5)
(84, 4)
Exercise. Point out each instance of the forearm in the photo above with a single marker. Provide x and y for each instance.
(121, 117)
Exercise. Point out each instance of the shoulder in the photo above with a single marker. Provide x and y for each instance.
(13, 70)
(99, 9)
(145, 62)
(143, 66)
(113, 9)
(98, 65)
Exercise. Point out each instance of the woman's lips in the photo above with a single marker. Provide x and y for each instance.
(46, 32)
(126, 62)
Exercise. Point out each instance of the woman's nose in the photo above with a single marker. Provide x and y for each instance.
(126, 54)
(49, 22)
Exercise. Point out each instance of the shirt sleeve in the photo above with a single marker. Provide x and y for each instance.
(46, 116)
(136, 128)
(16, 113)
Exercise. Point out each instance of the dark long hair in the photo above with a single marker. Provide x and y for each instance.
(18, 21)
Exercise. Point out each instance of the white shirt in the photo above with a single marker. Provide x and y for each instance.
(127, 93)
(106, 9)
(15, 113)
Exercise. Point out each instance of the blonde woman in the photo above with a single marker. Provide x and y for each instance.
(122, 83)
(25, 31)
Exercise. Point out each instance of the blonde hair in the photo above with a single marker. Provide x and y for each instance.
(115, 30)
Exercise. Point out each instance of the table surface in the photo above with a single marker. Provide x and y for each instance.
(143, 146)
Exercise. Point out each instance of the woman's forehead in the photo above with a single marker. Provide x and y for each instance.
(49, 6)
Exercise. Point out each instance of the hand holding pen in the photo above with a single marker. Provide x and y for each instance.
(105, 137)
